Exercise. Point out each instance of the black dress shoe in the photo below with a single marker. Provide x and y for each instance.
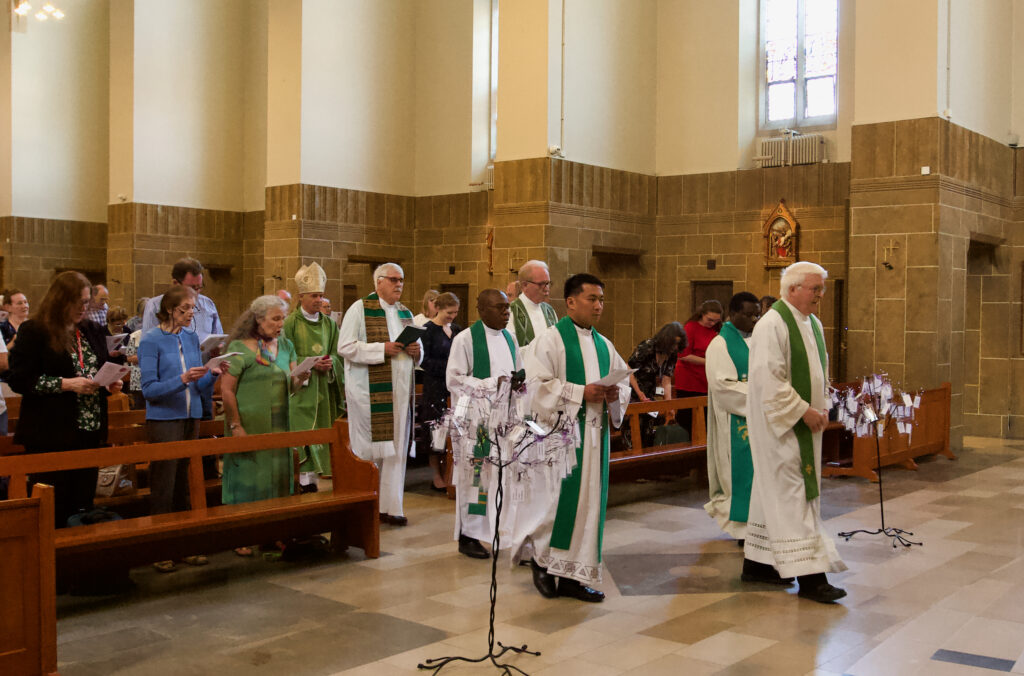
(397, 520)
(754, 571)
(544, 581)
(574, 590)
(472, 548)
(822, 593)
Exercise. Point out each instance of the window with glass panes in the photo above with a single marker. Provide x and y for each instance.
(800, 47)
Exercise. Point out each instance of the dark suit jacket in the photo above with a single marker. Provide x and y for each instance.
(49, 422)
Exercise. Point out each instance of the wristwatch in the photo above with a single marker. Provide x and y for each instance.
(234, 425)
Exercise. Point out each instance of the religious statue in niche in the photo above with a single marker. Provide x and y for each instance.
(781, 237)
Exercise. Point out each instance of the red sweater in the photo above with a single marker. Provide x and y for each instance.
(691, 377)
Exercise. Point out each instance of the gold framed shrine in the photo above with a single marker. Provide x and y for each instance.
(781, 237)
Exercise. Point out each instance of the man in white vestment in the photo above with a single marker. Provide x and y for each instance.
(530, 311)
(379, 384)
(730, 470)
(562, 529)
(787, 413)
(479, 358)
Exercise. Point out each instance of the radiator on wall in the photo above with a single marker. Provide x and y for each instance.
(779, 151)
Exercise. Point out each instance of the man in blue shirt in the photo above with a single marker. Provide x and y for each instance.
(206, 321)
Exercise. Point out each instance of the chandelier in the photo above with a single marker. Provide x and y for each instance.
(23, 8)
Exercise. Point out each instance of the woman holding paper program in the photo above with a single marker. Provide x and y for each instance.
(255, 390)
(53, 362)
(173, 378)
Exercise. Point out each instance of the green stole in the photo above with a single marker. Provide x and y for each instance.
(521, 320)
(382, 421)
(800, 378)
(481, 371)
(568, 500)
(742, 467)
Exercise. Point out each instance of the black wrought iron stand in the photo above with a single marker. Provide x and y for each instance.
(897, 534)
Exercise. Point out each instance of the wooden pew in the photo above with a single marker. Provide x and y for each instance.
(28, 610)
(349, 511)
(842, 454)
(640, 454)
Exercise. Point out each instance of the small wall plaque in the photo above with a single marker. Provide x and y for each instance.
(781, 238)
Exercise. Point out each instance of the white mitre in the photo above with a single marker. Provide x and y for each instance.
(311, 278)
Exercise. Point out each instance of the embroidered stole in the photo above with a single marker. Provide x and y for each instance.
(523, 325)
(568, 500)
(382, 406)
(742, 466)
(800, 378)
(482, 370)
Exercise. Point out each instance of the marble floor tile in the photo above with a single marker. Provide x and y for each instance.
(726, 647)
(984, 636)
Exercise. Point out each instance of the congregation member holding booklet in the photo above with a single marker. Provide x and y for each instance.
(173, 377)
(53, 362)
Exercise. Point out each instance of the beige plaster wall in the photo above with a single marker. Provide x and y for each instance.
(189, 86)
(59, 111)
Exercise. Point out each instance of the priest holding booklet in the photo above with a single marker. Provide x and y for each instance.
(573, 371)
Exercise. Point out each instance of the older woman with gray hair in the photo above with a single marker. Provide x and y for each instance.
(255, 390)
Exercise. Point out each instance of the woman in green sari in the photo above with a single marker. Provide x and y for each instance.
(255, 390)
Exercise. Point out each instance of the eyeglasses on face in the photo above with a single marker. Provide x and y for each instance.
(185, 308)
(543, 285)
(393, 280)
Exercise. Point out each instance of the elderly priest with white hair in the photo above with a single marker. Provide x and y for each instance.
(531, 313)
(379, 383)
(787, 412)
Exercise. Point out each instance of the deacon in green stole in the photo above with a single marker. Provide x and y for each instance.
(787, 412)
(379, 384)
(531, 313)
(319, 403)
(563, 531)
(478, 358)
(730, 469)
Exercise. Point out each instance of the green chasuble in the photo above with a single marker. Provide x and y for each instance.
(800, 378)
(568, 500)
(319, 404)
(522, 324)
(741, 464)
(262, 395)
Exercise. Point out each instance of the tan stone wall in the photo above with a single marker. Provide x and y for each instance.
(144, 241)
(345, 231)
(930, 316)
(719, 217)
(33, 249)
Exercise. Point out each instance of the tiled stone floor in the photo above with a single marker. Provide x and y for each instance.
(674, 606)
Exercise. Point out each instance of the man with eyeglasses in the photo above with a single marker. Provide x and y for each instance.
(205, 321)
(531, 313)
(787, 411)
(379, 384)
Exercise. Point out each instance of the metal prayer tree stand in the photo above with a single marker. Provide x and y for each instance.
(438, 663)
(896, 534)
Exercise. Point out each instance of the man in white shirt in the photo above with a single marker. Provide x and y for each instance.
(531, 313)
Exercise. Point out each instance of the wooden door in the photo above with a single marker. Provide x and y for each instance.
(461, 291)
(701, 291)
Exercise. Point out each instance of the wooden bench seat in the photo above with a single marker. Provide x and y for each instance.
(349, 511)
(639, 454)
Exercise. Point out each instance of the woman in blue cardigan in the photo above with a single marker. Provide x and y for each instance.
(173, 376)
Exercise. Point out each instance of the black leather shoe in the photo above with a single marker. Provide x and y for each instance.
(472, 548)
(574, 590)
(397, 520)
(822, 593)
(544, 581)
(762, 573)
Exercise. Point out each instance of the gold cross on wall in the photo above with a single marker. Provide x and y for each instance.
(890, 248)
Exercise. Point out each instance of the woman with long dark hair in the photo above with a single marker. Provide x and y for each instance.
(654, 360)
(53, 362)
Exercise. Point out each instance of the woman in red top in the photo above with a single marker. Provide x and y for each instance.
(691, 380)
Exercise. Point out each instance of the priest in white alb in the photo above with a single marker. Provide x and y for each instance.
(730, 470)
(787, 412)
(379, 384)
(479, 359)
(561, 530)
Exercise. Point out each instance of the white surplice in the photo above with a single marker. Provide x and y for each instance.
(460, 381)
(727, 395)
(784, 528)
(359, 355)
(553, 395)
